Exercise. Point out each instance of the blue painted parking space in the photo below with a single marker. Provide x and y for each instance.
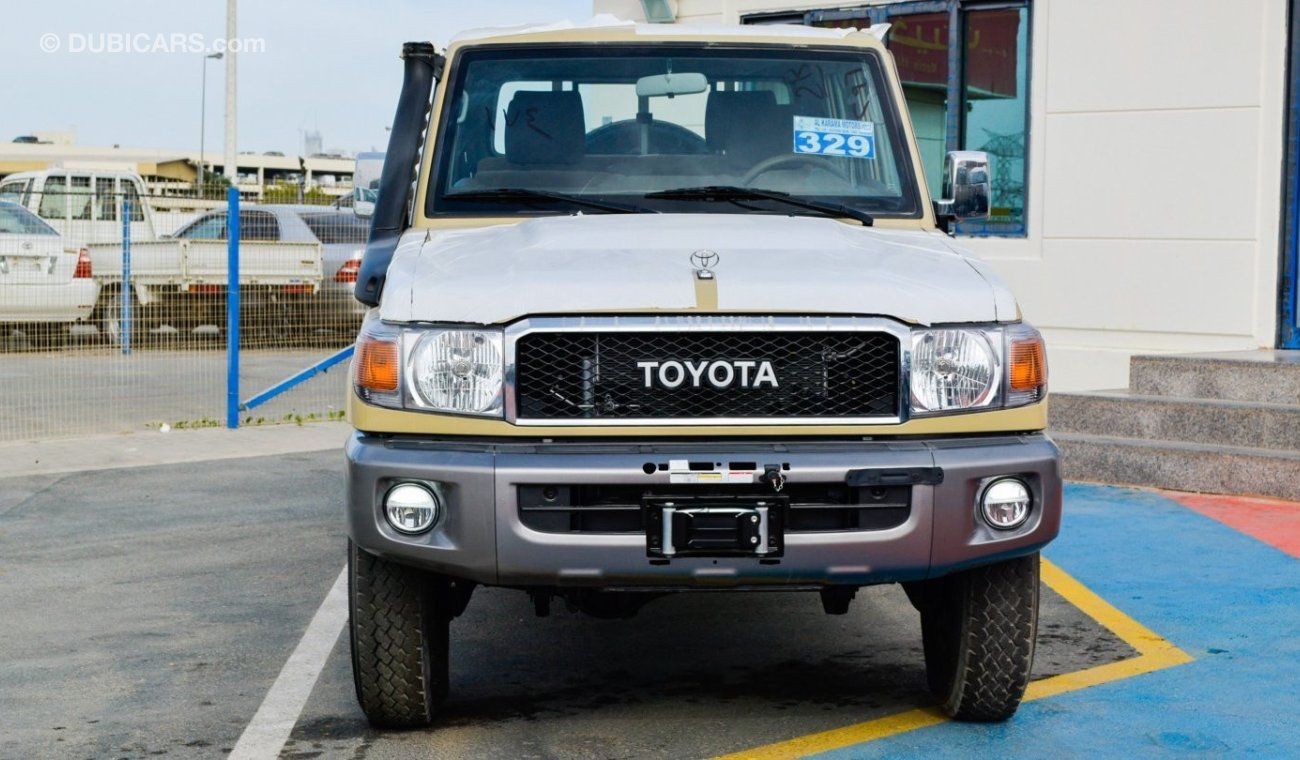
(1228, 600)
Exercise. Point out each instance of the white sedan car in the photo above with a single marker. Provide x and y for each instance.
(45, 282)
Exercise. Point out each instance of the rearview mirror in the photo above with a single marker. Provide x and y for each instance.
(671, 84)
(966, 187)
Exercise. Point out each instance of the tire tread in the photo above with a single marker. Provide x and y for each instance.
(980, 649)
(399, 643)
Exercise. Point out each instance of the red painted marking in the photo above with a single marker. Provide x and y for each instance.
(1276, 523)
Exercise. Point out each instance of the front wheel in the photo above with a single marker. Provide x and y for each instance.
(978, 628)
(398, 620)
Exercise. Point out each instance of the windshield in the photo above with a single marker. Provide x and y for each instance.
(620, 123)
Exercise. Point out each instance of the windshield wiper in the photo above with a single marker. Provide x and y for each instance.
(503, 194)
(732, 193)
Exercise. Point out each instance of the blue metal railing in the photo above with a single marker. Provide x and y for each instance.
(319, 368)
(232, 308)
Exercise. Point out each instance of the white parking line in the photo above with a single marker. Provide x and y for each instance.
(266, 735)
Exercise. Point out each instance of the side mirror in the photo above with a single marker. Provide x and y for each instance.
(363, 209)
(966, 187)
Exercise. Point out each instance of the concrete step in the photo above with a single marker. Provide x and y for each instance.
(1180, 466)
(1121, 414)
(1269, 377)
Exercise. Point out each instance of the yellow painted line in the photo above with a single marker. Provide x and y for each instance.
(1154, 653)
(838, 738)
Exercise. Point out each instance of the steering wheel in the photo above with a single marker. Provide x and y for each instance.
(790, 161)
(624, 138)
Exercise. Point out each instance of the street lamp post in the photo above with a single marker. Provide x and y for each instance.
(203, 107)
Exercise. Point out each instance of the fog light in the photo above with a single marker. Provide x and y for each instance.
(411, 508)
(1006, 503)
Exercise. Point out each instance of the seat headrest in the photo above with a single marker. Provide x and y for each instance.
(545, 128)
(747, 125)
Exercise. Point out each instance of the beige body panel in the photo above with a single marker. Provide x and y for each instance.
(373, 419)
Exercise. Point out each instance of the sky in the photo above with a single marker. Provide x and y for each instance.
(129, 72)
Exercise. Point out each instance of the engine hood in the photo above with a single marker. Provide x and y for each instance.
(642, 263)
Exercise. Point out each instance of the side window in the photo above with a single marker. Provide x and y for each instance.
(79, 200)
(210, 227)
(54, 199)
(137, 205)
(12, 191)
(105, 199)
(258, 225)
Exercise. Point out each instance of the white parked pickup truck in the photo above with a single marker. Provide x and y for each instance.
(174, 281)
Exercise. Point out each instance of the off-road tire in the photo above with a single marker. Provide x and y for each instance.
(978, 628)
(399, 635)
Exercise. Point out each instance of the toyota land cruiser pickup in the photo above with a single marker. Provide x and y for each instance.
(663, 309)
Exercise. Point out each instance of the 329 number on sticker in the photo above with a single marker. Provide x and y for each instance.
(835, 144)
(834, 137)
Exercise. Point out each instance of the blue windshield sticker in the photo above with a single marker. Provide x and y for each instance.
(814, 135)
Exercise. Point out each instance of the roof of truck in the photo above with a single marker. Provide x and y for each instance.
(605, 28)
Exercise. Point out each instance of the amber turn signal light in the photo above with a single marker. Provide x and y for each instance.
(1028, 364)
(377, 364)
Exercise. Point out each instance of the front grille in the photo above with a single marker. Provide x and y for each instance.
(812, 507)
(595, 375)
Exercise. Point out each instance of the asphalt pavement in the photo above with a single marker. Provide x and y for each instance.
(153, 596)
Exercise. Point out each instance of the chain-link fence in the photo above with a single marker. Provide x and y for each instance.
(113, 305)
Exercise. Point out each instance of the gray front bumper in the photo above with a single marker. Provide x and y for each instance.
(481, 537)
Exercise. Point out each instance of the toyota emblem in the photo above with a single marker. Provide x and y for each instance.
(704, 259)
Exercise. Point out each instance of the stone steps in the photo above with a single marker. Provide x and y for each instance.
(1215, 423)
(1180, 466)
(1120, 414)
(1269, 377)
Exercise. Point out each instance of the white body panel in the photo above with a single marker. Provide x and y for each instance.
(642, 263)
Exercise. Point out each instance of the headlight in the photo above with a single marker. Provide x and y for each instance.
(456, 371)
(978, 367)
(429, 369)
(955, 369)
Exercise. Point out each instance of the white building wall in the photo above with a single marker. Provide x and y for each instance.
(1156, 149)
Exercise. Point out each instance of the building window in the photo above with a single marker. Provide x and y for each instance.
(964, 66)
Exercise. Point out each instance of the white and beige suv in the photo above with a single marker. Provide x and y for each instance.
(663, 309)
